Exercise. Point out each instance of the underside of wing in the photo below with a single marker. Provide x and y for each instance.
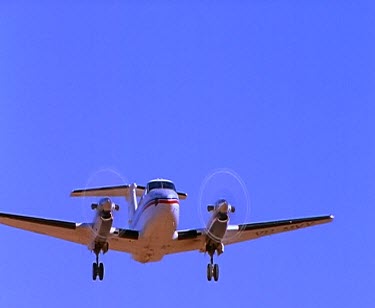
(127, 240)
(124, 240)
(120, 239)
(194, 239)
(69, 231)
(187, 240)
(245, 232)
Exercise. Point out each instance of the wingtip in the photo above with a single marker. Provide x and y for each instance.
(73, 193)
(332, 217)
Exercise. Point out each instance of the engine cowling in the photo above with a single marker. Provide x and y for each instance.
(219, 221)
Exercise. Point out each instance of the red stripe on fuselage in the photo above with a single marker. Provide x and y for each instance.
(157, 201)
(154, 202)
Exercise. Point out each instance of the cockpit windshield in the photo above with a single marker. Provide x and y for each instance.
(160, 184)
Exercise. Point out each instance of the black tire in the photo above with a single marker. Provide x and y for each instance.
(94, 271)
(101, 271)
(216, 272)
(209, 272)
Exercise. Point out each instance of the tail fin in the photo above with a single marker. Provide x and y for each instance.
(132, 201)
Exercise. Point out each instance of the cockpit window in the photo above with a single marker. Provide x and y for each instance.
(169, 185)
(160, 184)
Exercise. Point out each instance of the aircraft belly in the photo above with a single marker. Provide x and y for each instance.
(159, 224)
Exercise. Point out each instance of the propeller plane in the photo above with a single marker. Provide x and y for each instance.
(153, 213)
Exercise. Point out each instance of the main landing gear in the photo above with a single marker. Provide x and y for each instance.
(98, 268)
(212, 270)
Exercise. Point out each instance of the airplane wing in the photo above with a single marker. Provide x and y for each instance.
(194, 239)
(80, 233)
(70, 231)
(126, 240)
(246, 232)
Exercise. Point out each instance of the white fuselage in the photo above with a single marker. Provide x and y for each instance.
(156, 219)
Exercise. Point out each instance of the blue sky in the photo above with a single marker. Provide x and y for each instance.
(282, 92)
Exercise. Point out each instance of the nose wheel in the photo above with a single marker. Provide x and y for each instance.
(97, 269)
(212, 270)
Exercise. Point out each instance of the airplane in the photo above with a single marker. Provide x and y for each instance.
(153, 213)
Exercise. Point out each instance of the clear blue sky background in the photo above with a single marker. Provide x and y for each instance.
(282, 92)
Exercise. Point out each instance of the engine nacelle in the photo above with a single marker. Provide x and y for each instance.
(217, 225)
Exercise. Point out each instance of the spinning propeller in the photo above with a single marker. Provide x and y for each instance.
(223, 193)
(104, 206)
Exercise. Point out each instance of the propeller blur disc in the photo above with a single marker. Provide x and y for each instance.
(100, 178)
(224, 184)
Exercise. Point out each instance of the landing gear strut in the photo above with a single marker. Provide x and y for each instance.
(97, 268)
(212, 269)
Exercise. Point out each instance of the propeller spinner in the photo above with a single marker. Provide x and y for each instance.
(105, 205)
